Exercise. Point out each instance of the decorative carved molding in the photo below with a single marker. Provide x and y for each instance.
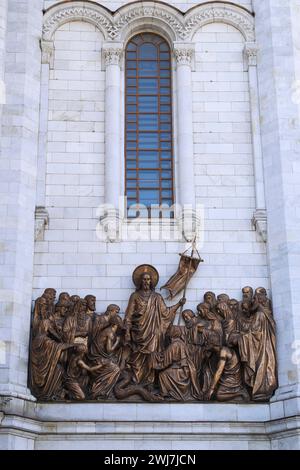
(183, 26)
(174, 19)
(259, 221)
(250, 54)
(216, 12)
(47, 48)
(111, 221)
(41, 222)
(183, 56)
(112, 55)
(61, 14)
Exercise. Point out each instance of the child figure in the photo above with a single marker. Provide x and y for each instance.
(76, 379)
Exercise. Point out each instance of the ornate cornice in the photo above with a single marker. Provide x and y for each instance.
(117, 26)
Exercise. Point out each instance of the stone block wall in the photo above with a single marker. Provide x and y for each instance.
(71, 257)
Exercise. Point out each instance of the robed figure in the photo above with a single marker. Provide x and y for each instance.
(105, 352)
(147, 319)
(257, 347)
(46, 372)
(178, 376)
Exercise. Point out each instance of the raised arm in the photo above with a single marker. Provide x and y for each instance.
(175, 307)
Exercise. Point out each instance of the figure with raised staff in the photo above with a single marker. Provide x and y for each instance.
(147, 319)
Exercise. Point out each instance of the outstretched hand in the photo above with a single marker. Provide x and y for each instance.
(182, 301)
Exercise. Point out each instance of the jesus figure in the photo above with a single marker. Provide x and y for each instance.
(147, 319)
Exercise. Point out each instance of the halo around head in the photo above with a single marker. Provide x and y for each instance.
(145, 269)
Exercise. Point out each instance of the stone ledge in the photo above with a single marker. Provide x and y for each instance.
(143, 412)
(146, 426)
(149, 412)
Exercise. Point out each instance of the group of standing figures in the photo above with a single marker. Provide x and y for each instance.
(225, 351)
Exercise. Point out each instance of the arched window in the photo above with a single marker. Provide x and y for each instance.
(148, 124)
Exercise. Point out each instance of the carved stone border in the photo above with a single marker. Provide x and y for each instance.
(77, 11)
(220, 12)
(182, 25)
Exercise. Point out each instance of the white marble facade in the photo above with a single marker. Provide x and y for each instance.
(236, 76)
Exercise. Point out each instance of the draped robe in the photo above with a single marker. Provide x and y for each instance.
(230, 385)
(106, 378)
(46, 372)
(148, 321)
(179, 377)
(258, 353)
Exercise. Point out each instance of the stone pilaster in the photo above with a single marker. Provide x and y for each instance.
(18, 182)
(41, 214)
(277, 70)
(183, 53)
(112, 54)
(260, 215)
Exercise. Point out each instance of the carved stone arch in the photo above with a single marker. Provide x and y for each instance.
(150, 26)
(148, 16)
(224, 12)
(165, 18)
(62, 13)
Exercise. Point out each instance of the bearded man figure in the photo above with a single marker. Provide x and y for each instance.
(147, 319)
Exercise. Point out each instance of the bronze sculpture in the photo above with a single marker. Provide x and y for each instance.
(147, 319)
(178, 375)
(225, 351)
(187, 267)
(257, 348)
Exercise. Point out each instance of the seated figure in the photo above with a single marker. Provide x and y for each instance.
(109, 360)
(177, 376)
(76, 378)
